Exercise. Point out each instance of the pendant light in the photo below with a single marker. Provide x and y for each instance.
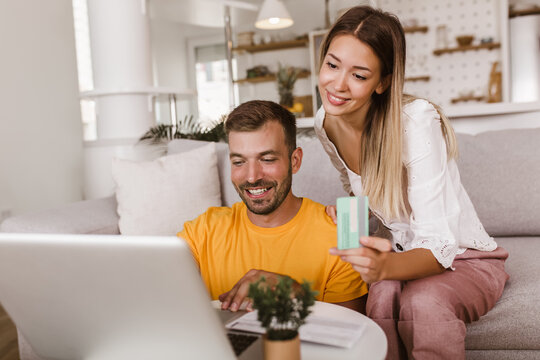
(273, 15)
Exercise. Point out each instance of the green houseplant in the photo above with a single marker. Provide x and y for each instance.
(286, 78)
(281, 308)
(186, 128)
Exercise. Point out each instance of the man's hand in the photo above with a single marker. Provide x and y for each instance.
(370, 260)
(332, 212)
(234, 298)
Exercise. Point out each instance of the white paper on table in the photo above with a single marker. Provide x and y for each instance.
(317, 329)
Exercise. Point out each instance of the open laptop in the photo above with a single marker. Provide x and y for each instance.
(110, 297)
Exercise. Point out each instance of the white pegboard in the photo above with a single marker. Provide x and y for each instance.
(451, 74)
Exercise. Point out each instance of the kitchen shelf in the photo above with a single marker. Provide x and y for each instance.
(418, 78)
(487, 46)
(413, 29)
(269, 77)
(516, 13)
(467, 98)
(273, 46)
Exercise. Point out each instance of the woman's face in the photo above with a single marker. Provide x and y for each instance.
(349, 75)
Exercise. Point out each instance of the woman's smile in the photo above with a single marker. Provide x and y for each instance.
(336, 100)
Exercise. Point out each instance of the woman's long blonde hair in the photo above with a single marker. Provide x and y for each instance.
(382, 170)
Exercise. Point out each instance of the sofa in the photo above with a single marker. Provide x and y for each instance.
(501, 172)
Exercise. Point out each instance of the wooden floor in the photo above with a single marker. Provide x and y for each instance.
(8, 338)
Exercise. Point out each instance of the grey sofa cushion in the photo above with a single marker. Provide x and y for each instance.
(501, 173)
(513, 324)
(83, 217)
(317, 178)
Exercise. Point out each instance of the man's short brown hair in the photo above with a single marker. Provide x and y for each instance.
(252, 115)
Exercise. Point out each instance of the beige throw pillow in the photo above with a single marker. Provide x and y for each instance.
(157, 197)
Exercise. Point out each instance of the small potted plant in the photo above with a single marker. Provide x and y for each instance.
(282, 308)
(286, 78)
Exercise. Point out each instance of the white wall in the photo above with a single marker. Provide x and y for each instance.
(169, 50)
(170, 60)
(40, 123)
(168, 53)
(491, 122)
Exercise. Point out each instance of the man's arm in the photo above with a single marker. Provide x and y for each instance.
(358, 304)
(234, 298)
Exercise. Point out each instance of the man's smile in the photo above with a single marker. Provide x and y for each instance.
(257, 193)
(257, 190)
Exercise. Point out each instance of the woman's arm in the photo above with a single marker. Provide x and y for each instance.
(434, 205)
(412, 264)
(376, 262)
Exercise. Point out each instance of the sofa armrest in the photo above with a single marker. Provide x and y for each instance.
(83, 217)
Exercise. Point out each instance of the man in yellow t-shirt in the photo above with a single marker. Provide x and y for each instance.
(271, 232)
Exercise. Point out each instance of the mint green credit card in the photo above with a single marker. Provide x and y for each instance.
(352, 221)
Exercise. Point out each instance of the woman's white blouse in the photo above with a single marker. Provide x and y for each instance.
(442, 217)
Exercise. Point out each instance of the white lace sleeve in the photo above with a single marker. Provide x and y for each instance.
(434, 209)
(330, 150)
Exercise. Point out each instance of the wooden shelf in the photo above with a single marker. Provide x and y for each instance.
(487, 46)
(413, 29)
(467, 98)
(516, 13)
(418, 78)
(258, 79)
(269, 77)
(273, 46)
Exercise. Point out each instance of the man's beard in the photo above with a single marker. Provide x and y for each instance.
(280, 193)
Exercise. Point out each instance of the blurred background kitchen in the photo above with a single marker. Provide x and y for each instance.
(82, 80)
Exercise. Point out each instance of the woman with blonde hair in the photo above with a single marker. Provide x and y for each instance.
(439, 268)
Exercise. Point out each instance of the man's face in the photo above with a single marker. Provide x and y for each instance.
(261, 169)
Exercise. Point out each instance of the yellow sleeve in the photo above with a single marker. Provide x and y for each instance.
(194, 235)
(344, 283)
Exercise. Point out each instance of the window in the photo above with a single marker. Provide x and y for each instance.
(84, 68)
(211, 80)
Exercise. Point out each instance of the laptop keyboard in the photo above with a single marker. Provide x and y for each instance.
(240, 342)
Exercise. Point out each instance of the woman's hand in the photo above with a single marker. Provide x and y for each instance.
(332, 212)
(371, 260)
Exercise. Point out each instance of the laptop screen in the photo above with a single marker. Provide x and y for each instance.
(108, 297)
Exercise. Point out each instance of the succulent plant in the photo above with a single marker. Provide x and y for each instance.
(283, 307)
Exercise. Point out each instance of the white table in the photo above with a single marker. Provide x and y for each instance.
(372, 344)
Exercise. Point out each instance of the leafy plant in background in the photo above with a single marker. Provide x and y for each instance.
(286, 77)
(186, 128)
(281, 308)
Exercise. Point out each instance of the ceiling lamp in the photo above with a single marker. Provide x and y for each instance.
(273, 15)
